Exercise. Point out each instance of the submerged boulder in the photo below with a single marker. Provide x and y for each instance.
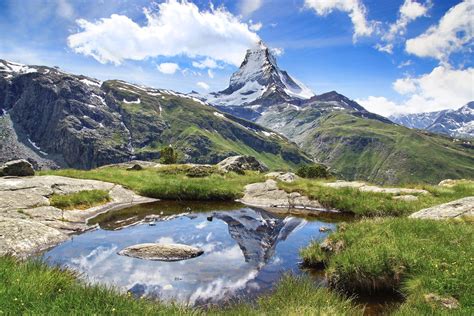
(241, 163)
(161, 252)
(17, 168)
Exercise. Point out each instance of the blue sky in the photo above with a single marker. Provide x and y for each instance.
(391, 56)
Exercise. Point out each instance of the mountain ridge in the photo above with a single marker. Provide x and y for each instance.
(455, 123)
(75, 121)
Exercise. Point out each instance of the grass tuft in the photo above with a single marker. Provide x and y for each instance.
(79, 200)
(376, 204)
(171, 183)
(417, 257)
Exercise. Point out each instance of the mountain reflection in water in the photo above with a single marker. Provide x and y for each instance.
(246, 250)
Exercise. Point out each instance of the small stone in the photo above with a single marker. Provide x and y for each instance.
(324, 229)
(446, 302)
(282, 176)
(161, 252)
(135, 167)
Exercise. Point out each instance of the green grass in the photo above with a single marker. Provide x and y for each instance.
(371, 150)
(79, 200)
(416, 257)
(170, 185)
(31, 287)
(376, 204)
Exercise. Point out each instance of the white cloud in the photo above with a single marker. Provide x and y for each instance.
(176, 28)
(206, 63)
(409, 11)
(247, 7)
(203, 85)
(276, 51)
(168, 68)
(442, 88)
(405, 85)
(355, 8)
(255, 26)
(453, 32)
(210, 73)
(380, 105)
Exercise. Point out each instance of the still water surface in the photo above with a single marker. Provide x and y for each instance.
(246, 250)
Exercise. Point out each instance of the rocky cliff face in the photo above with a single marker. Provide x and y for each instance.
(56, 119)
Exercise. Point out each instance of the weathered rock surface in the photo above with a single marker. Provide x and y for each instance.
(363, 187)
(20, 237)
(268, 195)
(161, 252)
(29, 224)
(241, 163)
(452, 182)
(406, 198)
(455, 209)
(282, 176)
(17, 168)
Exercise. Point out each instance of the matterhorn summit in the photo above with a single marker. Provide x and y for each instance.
(258, 84)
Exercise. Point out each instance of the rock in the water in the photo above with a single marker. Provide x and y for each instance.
(161, 252)
(456, 209)
(241, 163)
(18, 168)
(282, 176)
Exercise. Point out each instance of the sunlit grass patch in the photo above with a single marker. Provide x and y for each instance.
(79, 200)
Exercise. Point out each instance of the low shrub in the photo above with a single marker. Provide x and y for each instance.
(313, 171)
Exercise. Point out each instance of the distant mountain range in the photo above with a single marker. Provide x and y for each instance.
(56, 119)
(455, 123)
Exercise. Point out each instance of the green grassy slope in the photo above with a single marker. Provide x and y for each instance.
(368, 149)
(200, 132)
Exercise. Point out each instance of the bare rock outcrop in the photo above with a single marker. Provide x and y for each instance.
(28, 223)
(453, 210)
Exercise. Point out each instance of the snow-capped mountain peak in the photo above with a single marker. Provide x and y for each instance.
(260, 77)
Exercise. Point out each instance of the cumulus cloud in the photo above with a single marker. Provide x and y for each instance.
(453, 32)
(177, 27)
(255, 26)
(444, 87)
(247, 7)
(355, 8)
(203, 85)
(168, 68)
(206, 63)
(409, 11)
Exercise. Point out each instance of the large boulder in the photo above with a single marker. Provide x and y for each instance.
(456, 209)
(241, 163)
(161, 252)
(18, 168)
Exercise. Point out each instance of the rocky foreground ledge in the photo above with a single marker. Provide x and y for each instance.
(28, 224)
